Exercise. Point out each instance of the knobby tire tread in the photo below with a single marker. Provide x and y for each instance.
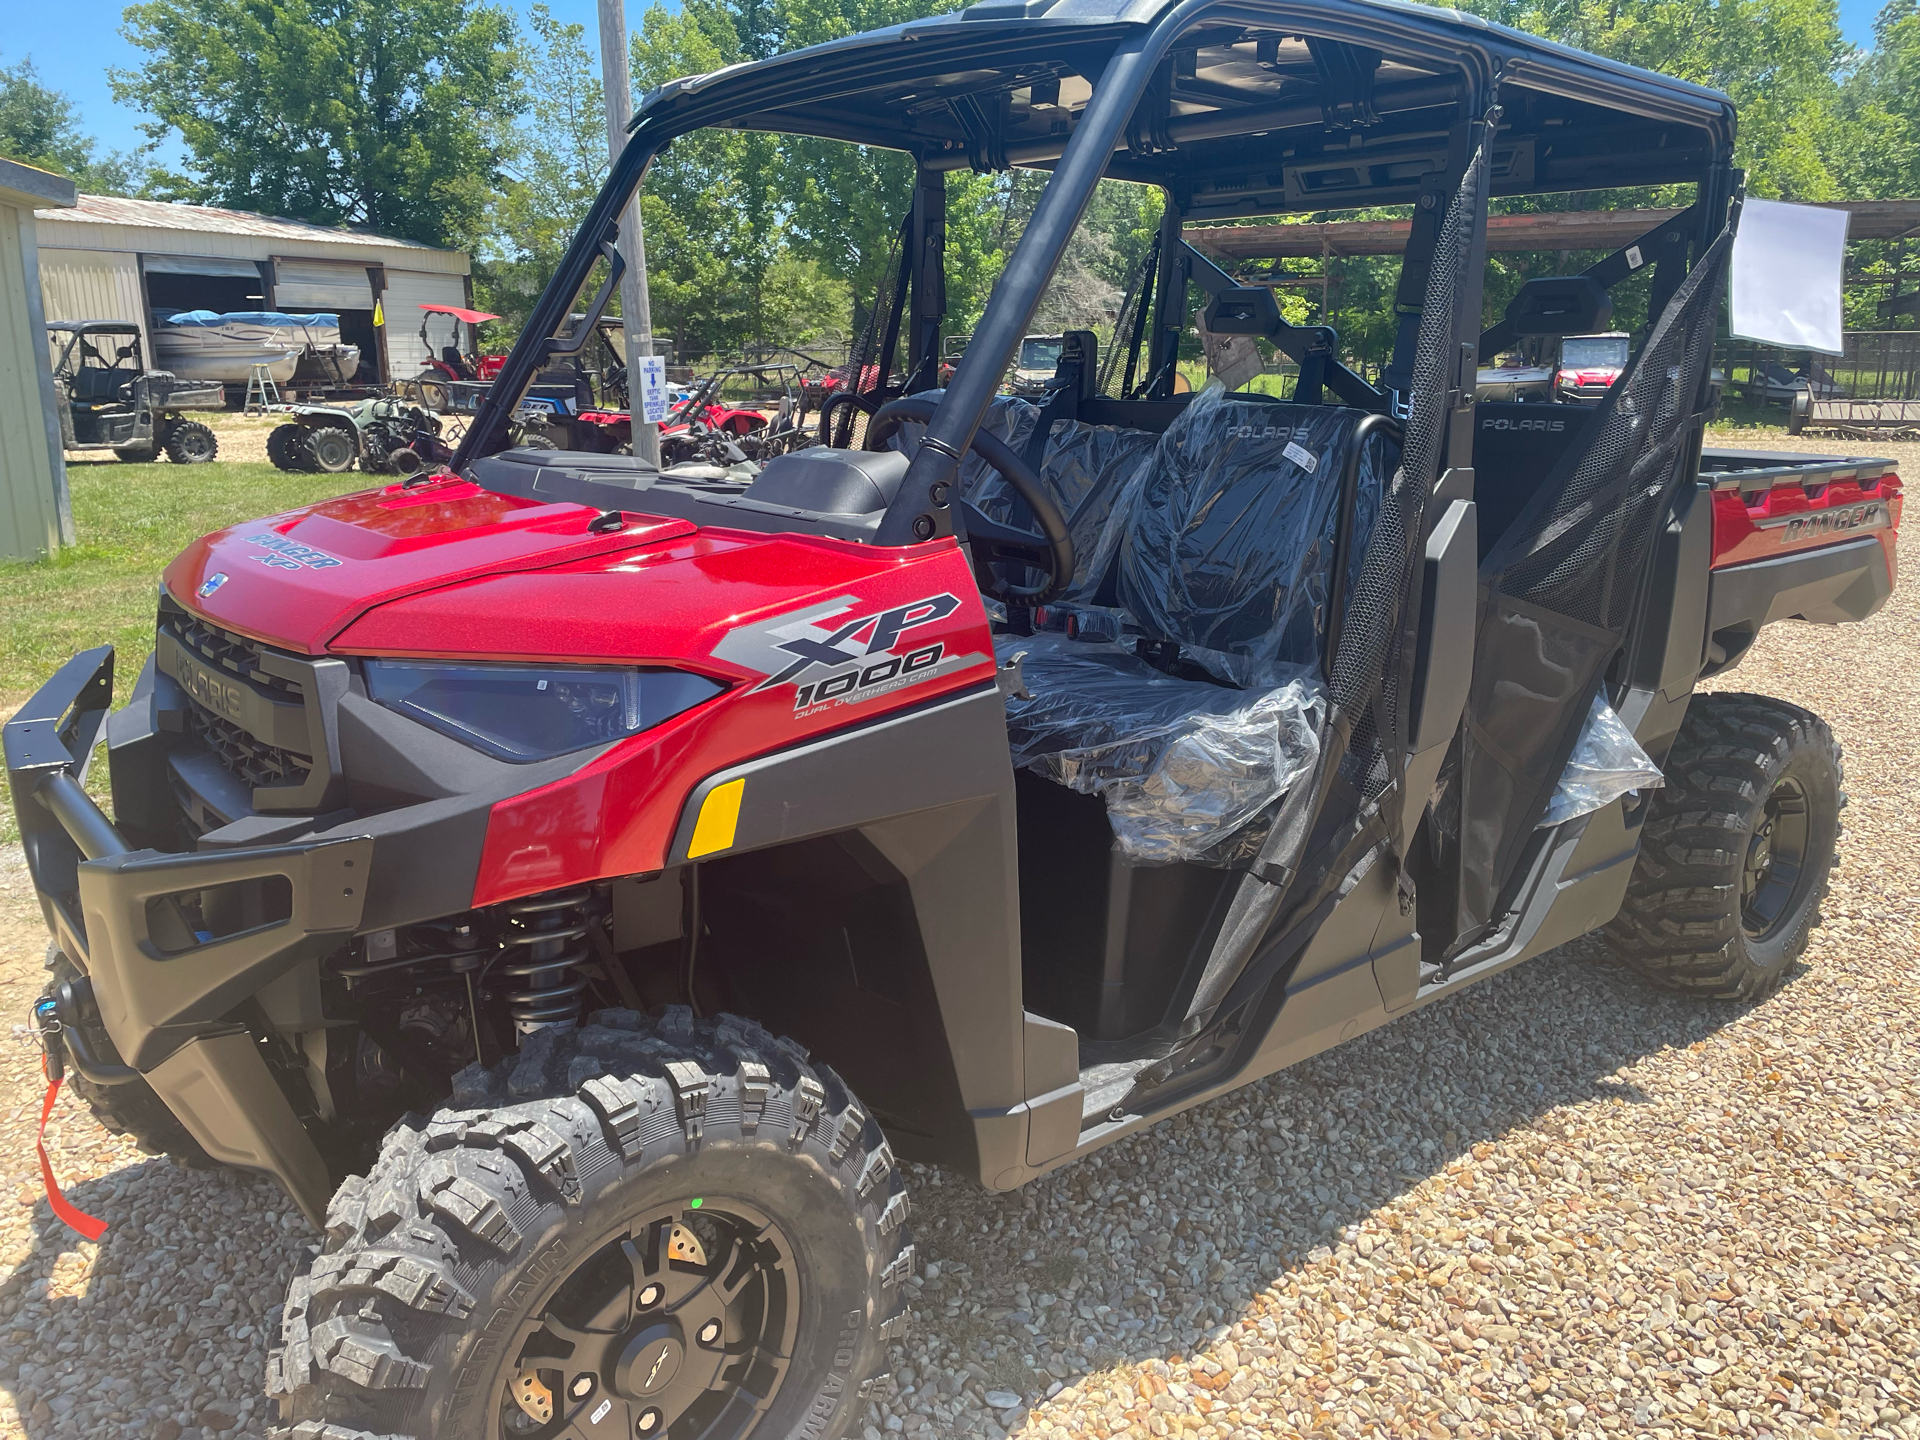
(1680, 925)
(452, 1201)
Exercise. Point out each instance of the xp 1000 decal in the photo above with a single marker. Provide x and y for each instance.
(847, 650)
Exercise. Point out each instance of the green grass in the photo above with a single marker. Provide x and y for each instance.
(129, 522)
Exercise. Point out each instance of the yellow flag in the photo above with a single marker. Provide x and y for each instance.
(379, 315)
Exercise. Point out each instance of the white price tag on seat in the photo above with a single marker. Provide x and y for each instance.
(1301, 456)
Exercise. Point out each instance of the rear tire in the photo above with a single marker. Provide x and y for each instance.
(132, 1109)
(530, 1240)
(333, 448)
(189, 442)
(1737, 850)
(404, 462)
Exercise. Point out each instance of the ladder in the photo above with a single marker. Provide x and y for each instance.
(263, 394)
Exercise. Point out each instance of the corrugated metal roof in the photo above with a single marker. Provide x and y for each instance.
(159, 215)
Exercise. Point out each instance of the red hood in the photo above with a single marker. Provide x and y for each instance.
(297, 580)
(1604, 375)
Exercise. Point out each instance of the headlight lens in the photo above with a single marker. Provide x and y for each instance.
(533, 712)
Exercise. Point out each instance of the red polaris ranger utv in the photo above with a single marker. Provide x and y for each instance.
(578, 882)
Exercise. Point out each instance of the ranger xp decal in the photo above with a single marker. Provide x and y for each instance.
(846, 650)
(289, 555)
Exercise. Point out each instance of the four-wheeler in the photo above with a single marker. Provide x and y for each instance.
(109, 400)
(387, 437)
(581, 884)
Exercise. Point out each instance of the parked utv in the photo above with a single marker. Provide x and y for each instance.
(578, 883)
(109, 400)
(386, 436)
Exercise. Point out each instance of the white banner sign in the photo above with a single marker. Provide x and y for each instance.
(651, 371)
(1783, 287)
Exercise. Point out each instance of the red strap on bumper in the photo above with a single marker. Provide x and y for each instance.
(91, 1226)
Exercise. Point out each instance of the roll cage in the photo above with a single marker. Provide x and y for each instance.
(1232, 108)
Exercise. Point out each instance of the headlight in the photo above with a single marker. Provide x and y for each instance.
(533, 712)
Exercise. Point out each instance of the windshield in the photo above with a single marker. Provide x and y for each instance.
(1039, 354)
(1593, 352)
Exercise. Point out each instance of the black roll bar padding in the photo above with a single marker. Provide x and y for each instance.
(1054, 535)
(1654, 246)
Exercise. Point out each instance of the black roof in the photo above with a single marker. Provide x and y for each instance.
(91, 327)
(998, 83)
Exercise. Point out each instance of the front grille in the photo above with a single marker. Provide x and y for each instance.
(235, 654)
(256, 762)
(253, 761)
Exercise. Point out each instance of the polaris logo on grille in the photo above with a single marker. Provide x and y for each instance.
(221, 696)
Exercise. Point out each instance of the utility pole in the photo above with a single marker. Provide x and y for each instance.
(636, 310)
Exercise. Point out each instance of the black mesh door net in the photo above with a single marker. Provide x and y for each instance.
(1560, 588)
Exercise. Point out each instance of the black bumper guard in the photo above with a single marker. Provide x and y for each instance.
(169, 1009)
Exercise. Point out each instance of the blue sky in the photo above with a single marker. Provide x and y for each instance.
(75, 42)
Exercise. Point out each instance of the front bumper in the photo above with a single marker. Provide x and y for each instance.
(166, 988)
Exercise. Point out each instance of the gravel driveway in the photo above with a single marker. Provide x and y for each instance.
(1556, 1204)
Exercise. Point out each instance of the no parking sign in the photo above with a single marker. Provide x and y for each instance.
(652, 372)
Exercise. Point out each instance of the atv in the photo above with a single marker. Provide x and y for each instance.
(581, 885)
(386, 436)
(109, 400)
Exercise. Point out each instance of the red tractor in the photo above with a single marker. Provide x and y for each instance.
(448, 363)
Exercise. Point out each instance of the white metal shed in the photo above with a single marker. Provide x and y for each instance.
(35, 518)
(114, 259)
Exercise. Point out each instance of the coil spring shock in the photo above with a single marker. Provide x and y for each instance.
(545, 941)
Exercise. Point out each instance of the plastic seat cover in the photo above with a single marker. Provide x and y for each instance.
(1226, 535)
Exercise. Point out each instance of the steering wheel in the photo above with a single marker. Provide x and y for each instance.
(989, 540)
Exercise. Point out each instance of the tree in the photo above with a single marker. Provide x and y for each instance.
(38, 125)
(556, 166)
(1779, 61)
(389, 114)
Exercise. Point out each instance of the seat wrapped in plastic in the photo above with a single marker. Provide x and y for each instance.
(1184, 766)
(1230, 539)
(1090, 471)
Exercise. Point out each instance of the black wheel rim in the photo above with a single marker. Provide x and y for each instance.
(1773, 876)
(683, 1324)
(196, 445)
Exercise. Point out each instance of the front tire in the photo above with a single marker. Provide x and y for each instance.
(638, 1227)
(1737, 850)
(189, 442)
